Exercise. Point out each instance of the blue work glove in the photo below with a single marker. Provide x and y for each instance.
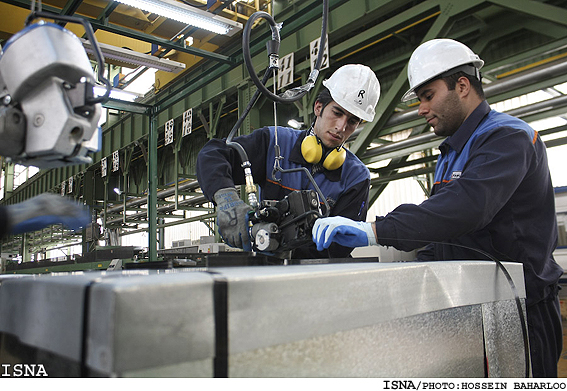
(46, 209)
(346, 232)
(232, 218)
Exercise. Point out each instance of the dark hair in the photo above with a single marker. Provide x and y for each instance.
(451, 82)
(324, 97)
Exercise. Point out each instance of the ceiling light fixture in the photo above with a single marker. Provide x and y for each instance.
(187, 14)
(135, 58)
(127, 96)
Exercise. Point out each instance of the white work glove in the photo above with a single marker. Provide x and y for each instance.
(232, 218)
(346, 232)
(46, 209)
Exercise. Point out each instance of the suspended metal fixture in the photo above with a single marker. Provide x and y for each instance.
(118, 94)
(187, 14)
(135, 58)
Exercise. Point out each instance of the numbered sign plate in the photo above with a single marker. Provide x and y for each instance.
(314, 51)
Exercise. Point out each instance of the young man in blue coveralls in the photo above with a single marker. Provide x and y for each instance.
(350, 96)
(492, 192)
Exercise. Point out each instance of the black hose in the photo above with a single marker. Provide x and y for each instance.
(296, 93)
(251, 104)
(273, 46)
(289, 96)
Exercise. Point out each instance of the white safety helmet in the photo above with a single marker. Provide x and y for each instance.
(356, 88)
(435, 57)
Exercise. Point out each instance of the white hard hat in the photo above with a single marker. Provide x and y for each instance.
(435, 57)
(356, 88)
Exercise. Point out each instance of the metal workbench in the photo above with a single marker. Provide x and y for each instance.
(435, 319)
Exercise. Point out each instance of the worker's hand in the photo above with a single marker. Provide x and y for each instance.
(232, 218)
(46, 209)
(346, 232)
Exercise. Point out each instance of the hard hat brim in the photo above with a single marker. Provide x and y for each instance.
(409, 95)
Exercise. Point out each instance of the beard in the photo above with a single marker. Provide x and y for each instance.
(450, 118)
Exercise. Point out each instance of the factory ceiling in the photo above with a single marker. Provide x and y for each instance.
(512, 36)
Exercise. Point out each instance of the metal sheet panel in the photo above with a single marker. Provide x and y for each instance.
(45, 312)
(503, 339)
(278, 305)
(413, 319)
(445, 343)
(154, 321)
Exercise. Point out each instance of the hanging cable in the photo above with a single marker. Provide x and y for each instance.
(292, 94)
(289, 96)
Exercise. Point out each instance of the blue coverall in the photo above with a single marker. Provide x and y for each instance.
(492, 192)
(346, 189)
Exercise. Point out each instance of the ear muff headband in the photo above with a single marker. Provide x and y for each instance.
(312, 152)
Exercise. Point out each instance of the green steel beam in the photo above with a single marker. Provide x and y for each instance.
(528, 88)
(27, 5)
(393, 168)
(536, 9)
(499, 66)
(70, 8)
(8, 179)
(129, 107)
(152, 189)
(556, 142)
(159, 41)
(386, 29)
(389, 102)
(293, 22)
(101, 24)
(173, 223)
(402, 175)
(300, 23)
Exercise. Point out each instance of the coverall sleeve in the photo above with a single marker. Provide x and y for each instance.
(497, 164)
(219, 166)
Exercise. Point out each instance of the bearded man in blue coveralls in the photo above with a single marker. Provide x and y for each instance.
(492, 192)
(350, 96)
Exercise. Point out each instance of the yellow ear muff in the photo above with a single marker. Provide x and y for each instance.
(335, 158)
(311, 149)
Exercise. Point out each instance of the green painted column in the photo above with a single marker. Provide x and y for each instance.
(152, 187)
(8, 180)
(26, 256)
(90, 201)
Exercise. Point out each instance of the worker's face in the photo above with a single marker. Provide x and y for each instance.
(333, 125)
(441, 107)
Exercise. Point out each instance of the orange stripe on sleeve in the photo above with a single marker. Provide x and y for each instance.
(279, 184)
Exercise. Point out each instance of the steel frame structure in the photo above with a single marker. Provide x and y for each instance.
(523, 43)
